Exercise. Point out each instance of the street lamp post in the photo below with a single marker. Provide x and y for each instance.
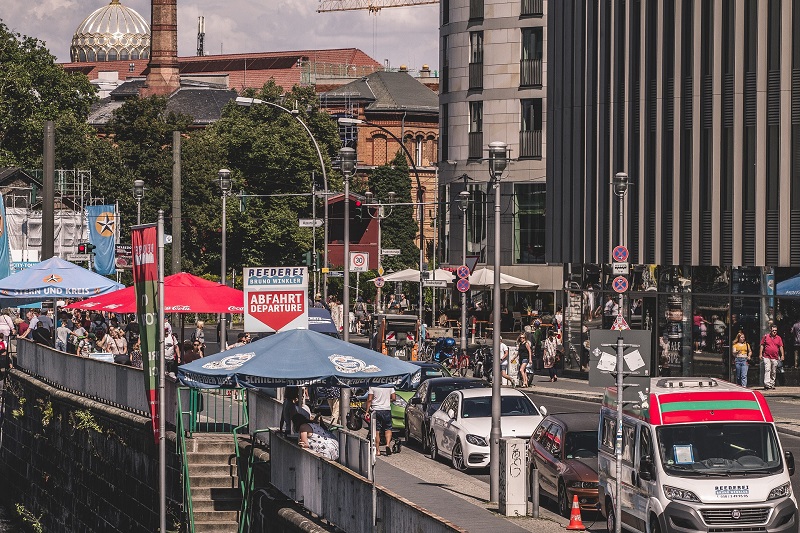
(242, 101)
(347, 156)
(380, 214)
(498, 160)
(138, 194)
(620, 187)
(463, 204)
(224, 179)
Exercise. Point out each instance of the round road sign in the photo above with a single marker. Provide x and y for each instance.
(620, 254)
(620, 284)
(462, 285)
(463, 272)
(379, 282)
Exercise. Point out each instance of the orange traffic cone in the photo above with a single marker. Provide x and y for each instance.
(575, 522)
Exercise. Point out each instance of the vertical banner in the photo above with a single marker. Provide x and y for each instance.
(102, 220)
(275, 298)
(145, 281)
(5, 245)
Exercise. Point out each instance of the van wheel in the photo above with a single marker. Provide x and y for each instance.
(611, 525)
(564, 505)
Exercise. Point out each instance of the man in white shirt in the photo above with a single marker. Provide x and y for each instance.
(172, 352)
(379, 405)
(504, 362)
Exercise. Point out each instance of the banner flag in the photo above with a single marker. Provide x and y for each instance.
(102, 220)
(145, 281)
(5, 245)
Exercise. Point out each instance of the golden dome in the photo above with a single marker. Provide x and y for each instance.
(111, 33)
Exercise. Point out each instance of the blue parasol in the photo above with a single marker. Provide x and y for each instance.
(789, 287)
(297, 357)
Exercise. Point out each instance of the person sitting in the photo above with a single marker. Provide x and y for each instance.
(313, 435)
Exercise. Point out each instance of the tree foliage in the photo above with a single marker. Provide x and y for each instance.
(34, 89)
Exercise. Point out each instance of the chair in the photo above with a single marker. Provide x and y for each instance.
(517, 320)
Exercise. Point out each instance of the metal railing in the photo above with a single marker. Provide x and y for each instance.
(476, 76)
(531, 8)
(182, 431)
(530, 72)
(530, 143)
(475, 145)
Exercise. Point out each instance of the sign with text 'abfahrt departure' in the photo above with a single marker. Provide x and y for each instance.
(276, 298)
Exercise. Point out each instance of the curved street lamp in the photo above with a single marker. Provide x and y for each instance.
(247, 102)
(224, 180)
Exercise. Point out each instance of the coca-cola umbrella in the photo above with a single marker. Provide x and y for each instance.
(183, 293)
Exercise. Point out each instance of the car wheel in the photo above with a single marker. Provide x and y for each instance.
(409, 436)
(564, 506)
(610, 516)
(459, 463)
(434, 447)
(426, 440)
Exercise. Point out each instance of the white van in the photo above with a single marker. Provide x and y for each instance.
(699, 455)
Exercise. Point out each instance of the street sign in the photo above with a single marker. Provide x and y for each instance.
(620, 254)
(390, 251)
(379, 282)
(359, 261)
(275, 298)
(434, 283)
(78, 257)
(325, 270)
(620, 284)
(472, 261)
(463, 271)
(620, 269)
(462, 285)
(167, 239)
(637, 357)
(619, 324)
(380, 270)
(311, 222)
(335, 274)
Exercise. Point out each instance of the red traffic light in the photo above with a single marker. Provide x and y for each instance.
(358, 203)
(86, 248)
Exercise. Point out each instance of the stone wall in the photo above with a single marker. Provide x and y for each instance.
(78, 465)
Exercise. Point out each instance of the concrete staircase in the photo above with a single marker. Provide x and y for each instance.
(214, 482)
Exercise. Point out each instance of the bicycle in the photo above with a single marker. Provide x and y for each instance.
(459, 364)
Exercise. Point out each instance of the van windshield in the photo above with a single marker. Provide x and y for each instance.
(703, 450)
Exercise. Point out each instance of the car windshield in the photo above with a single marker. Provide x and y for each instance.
(481, 407)
(703, 450)
(439, 392)
(581, 445)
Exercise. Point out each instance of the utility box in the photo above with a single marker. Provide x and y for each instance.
(513, 499)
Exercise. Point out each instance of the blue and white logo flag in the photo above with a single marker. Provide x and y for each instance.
(102, 220)
(5, 245)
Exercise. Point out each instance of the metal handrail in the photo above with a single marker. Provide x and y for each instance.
(187, 490)
(248, 484)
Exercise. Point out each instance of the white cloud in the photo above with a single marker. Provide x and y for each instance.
(405, 35)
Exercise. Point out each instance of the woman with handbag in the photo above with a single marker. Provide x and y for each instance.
(742, 354)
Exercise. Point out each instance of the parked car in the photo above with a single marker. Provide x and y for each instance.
(394, 335)
(460, 427)
(405, 390)
(564, 450)
(426, 401)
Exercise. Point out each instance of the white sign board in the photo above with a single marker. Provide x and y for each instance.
(434, 283)
(359, 261)
(78, 257)
(310, 222)
(391, 251)
(276, 298)
(620, 269)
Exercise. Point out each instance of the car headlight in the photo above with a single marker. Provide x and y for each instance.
(477, 440)
(582, 485)
(674, 493)
(784, 491)
(399, 402)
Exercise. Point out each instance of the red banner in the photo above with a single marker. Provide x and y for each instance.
(145, 282)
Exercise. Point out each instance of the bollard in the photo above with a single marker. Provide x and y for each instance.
(535, 491)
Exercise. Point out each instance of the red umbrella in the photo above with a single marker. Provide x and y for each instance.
(183, 293)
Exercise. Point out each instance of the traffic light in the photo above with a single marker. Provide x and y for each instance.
(359, 210)
(307, 259)
(86, 248)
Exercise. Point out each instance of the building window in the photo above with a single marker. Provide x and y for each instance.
(475, 9)
(529, 223)
(530, 130)
(477, 221)
(420, 150)
(531, 8)
(475, 130)
(476, 60)
(530, 65)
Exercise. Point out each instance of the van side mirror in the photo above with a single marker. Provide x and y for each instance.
(789, 462)
(646, 469)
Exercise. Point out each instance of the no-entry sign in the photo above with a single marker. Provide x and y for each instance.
(276, 298)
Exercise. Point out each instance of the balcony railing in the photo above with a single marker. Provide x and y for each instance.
(530, 72)
(532, 8)
(475, 76)
(530, 144)
(475, 145)
(475, 9)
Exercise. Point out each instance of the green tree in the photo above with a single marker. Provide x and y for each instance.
(34, 89)
(400, 229)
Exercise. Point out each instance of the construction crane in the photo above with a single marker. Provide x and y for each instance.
(373, 6)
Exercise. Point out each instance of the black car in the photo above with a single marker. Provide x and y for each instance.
(426, 401)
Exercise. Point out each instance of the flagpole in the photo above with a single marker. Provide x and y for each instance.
(162, 443)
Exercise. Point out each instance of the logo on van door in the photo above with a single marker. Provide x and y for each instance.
(732, 491)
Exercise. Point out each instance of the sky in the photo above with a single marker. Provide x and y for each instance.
(403, 35)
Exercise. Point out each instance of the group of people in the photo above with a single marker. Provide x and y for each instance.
(540, 351)
(358, 315)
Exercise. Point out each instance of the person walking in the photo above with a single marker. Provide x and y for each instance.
(772, 354)
(742, 354)
(379, 405)
(550, 355)
(525, 355)
(796, 337)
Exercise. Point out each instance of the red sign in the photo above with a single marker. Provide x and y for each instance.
(462, 285)
(620, 284)
(620, 254)
(463, 271)
(276, 308)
